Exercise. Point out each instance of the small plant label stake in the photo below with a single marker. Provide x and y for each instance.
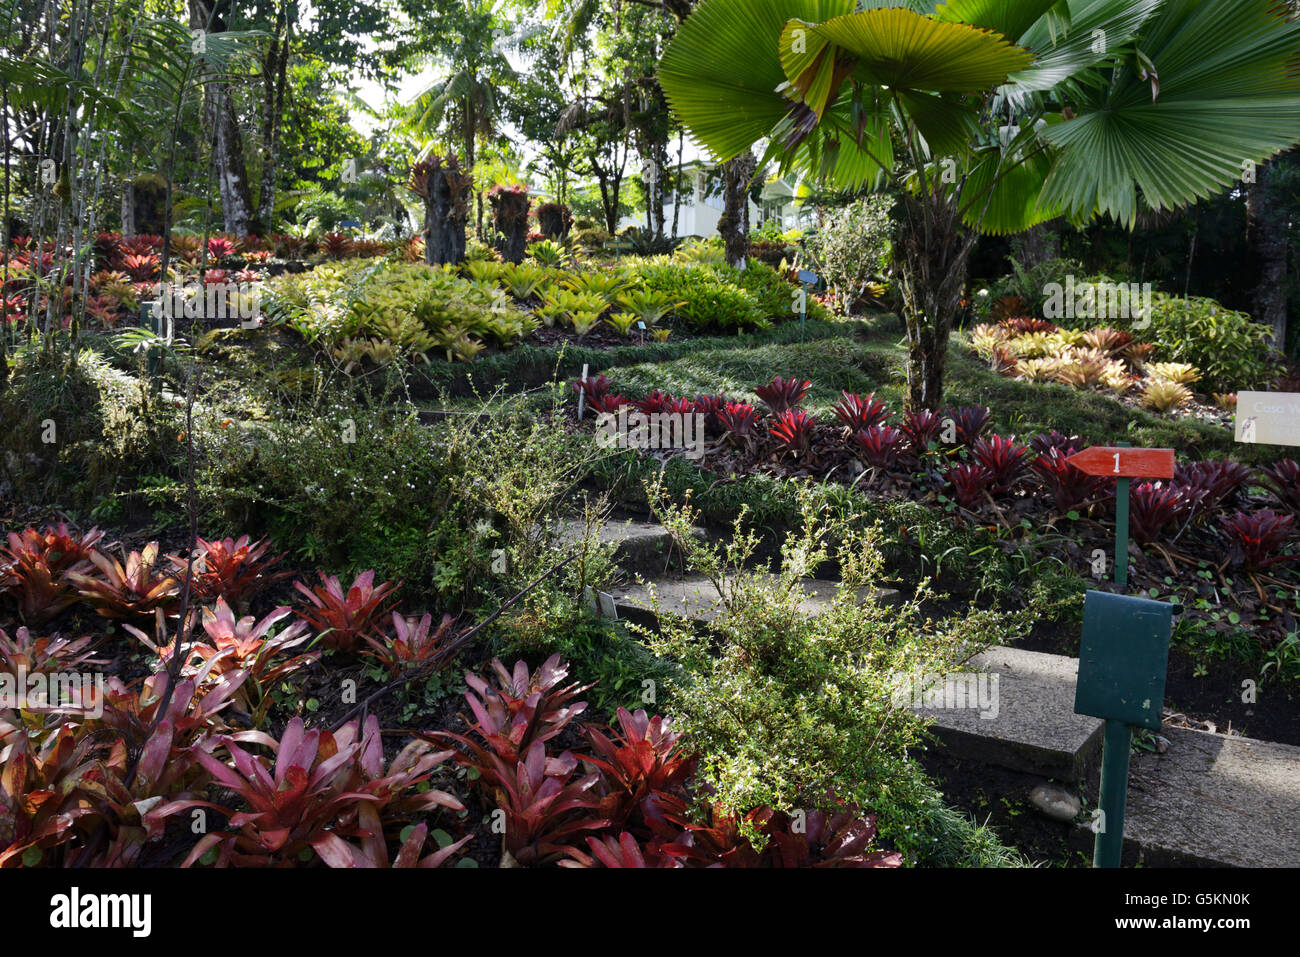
(1271, 418)
(1123, 657)
(1123, 463)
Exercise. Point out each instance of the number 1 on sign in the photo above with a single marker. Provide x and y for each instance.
(1116, 463)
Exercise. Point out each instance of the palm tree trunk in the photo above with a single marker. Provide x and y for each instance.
(733, 224)
(932, 255)
(446, 208)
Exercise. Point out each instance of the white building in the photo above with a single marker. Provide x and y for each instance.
(699, 208)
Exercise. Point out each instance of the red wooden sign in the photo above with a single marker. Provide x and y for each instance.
(1125, 463)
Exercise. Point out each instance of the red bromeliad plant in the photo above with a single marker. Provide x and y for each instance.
(220, 247)
(739, 420)
(840, 839)
(922, 427)
(244, 645)
(1069, 486)
(40, 803)
(793, 430)
(84, 788)
(312, 797)
(595, 391)
(1258, 538)
(782, 395)
(130, 712)
(711, 406)
(1211, 483)
(717, 841)
(656, 402)
(968, 481)
(131, 591)
(623, 851)
(416, 644)
(399, 794)
(34, 565)
(543, 803)
(141, 267)
(1282, 479)
(345, 619)
(1003, 459)
(518, 710)
(1152, 507)
(970, 421)
(879, 446)
(337, 245)
(857, 413)
(1023, 325)
(232, 569)
(643, 759)
(408, 855)
(1044, 443)
(45, 654)
(58, 548)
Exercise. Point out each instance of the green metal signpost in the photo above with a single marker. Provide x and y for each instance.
(1122, 662)
(1124, 653)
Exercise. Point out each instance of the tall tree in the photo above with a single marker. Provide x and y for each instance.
(212, 17)
(1270, 205)
(463, 40)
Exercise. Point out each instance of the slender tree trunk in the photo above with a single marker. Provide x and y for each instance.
(223, 127)
(1266, 236)
(932, 254)
(733, 224)
(232, 175)
(273, 83)
(677, 182)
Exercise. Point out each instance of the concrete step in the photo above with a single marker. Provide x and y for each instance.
(645, 548)
(1217, 800)
(693, 597)
(1023, 717)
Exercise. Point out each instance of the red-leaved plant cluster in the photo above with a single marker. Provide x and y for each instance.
(127, 270)
(949, 453)
(120, 774)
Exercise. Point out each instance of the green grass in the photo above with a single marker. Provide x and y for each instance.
(530, 366)
(874, 360)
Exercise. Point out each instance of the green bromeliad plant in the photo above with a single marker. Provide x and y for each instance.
(415, 309)
(991, 116)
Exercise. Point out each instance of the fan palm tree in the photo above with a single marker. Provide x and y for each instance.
(991, 116)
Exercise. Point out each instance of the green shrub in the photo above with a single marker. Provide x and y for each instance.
(76, 429)
(322, 212)
(789, 709)
(1232, 351)
(359, 482)
(776, 296)
(1029, 285)
(853, 246)
(418, 308)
